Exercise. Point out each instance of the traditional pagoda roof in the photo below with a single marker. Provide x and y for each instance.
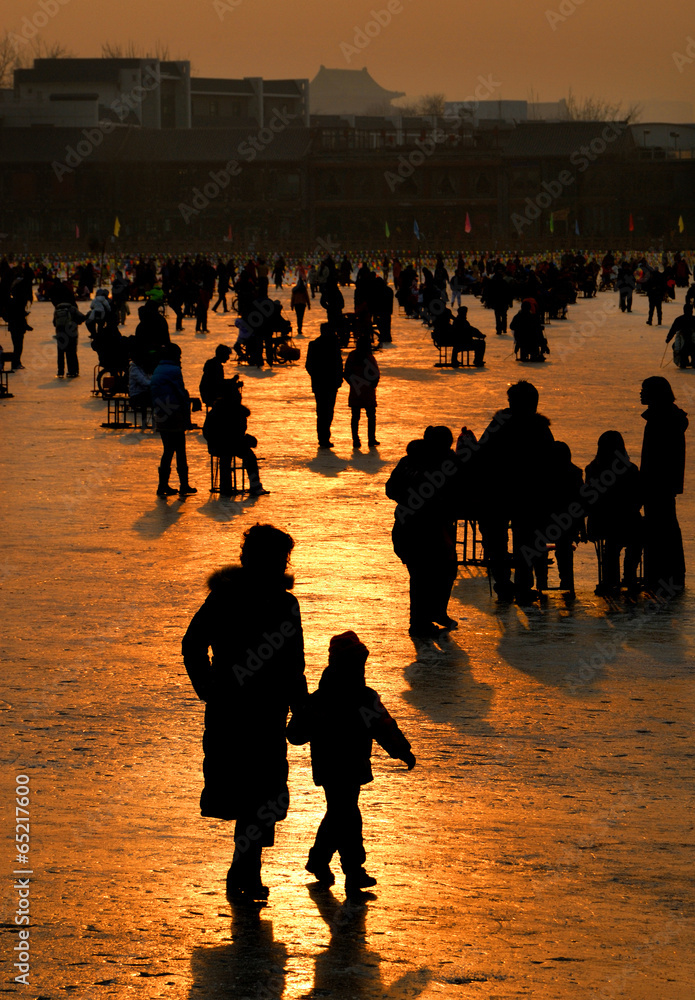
(348, 92)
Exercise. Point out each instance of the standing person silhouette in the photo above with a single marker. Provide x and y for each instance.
(426, 485)
(613, 491)
(662, 469)
(172, 416)
(340, 720)
(513, 467)
(300, 302)
(324, 363)
(253, 624)
(362, 374)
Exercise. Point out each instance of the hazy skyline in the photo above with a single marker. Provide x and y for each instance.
(539, 50)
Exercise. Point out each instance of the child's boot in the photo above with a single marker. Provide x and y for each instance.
(357, 879)
(321, 872)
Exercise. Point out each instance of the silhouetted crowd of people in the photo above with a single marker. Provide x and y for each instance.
(516, 478)
(514, 481)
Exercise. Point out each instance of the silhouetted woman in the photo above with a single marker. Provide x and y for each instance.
(662, 469)
(612, 495)
(362, 374)
(253, 625)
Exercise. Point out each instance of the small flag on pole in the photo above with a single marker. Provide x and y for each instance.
(681, 224)
(468, 227)
(387, 231)
(77, 232)
(552, 223)
(631, 224)
(576, 227)
(416, 229)
(116, 227)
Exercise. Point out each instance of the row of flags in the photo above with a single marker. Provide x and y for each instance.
(468, 227)
(116, 229)
(560, 216)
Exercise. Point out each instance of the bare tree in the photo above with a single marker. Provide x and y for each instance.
(598, 109)
(133, 50)
(18, 55)
(428, 104)
(432, 104)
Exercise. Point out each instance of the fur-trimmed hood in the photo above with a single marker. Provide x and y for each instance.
(236, 577)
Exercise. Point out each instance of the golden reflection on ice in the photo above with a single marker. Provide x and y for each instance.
(538, 844)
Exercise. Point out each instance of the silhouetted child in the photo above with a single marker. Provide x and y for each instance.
(340, 720)
(566, 503)
(613, 490)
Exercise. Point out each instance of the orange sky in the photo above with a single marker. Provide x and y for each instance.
(607, 49)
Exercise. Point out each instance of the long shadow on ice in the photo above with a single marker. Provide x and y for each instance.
(153, 523)
(327, 463)
(368, 462)
(349, 967)
(253, 965)
(443, 687)
(572, 649)
(224, 509)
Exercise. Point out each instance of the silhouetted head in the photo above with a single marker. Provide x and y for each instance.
(345, 671)
(688, 309)
(610, 446)
(171, 352)
(231, 389)
(462, 311)
(223, 353)
(523, 398)
(438, 438)
(326, 329)
(346, 650)
(266, 550)
(526, 306)
(363, 345)
(656, 391)
(562, 453)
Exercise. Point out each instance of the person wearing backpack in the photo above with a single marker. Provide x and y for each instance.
(66, 320)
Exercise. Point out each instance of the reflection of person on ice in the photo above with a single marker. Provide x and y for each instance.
(340, 720)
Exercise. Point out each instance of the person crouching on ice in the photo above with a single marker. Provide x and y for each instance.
(340, 720)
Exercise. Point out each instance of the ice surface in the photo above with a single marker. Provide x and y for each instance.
(543, 845)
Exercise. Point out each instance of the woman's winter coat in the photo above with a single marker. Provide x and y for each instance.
(169, 397)
(254, 628)
(362, 374)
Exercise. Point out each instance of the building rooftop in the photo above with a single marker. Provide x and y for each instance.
(562, 138)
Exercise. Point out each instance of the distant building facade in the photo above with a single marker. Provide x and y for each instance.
(252, 160)
(510, 112)
(149, 93)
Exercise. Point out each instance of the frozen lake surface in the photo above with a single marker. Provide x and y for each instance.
(542, 846)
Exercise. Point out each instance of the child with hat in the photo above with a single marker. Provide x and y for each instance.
(340, 720)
